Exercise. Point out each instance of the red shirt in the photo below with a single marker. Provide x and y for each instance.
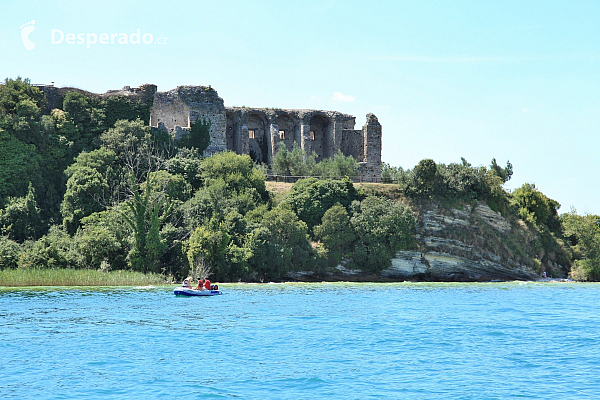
(207, 284)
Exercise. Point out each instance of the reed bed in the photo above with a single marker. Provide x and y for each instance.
(76, 277)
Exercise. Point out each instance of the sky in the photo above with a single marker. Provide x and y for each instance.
(511, 80)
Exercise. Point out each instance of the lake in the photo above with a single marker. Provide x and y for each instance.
(301, 341)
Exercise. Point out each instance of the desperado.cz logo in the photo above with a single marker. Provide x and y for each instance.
(58, 37)
(26, 29)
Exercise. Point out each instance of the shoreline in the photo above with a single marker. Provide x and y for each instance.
(388, 282)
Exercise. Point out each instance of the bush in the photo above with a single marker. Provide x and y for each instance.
(10, 252)
(20, 219)
(336, 233)
(382, 228)
(311, 198)
(529, 201)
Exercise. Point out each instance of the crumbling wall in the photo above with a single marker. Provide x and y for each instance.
(185, 105)
(260, 132)
(353, 143)
(259, 136)
(289, 128)
(371, 170)
(320, 136)
(55, 95)
(169, 110)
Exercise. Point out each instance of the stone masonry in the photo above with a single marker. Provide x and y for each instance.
(258, 132)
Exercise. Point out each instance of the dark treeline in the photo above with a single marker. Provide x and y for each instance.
(90, 185)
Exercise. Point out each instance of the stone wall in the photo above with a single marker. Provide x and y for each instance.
(184, 105)
(55, 95)
(371, 171)
(323, 132)
(258, 132)
(353, 143)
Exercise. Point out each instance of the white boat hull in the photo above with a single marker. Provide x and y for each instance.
(181, 291)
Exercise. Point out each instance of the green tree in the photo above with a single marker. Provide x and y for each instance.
(174, 187)
(237, 173)
(10, 252)
(14, 91)
(282, 162)
(206, 250)
(339, 166)
(18, 166)
(310, 198)
(146, 211)
(461, 181)
(382, 228)
(56, 249)
(20, 219)
(394, 174)
(118, 108)
(103, 240)
(20, 110)
(336, 233)
(198, 136)
(278, 245)
(87, 117)
(534, 206)
(128, 139)
(296, 162)
(86, 189)
(503, 173)
(584, 234)
(424, 179)
(93, 183)
(187, 163)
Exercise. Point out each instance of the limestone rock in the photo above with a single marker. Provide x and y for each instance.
(459, 244)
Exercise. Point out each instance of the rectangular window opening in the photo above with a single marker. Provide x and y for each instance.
(312, 135)
(282, 135)
(251, 133)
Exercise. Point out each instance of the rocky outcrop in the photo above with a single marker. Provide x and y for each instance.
(435, 266)
(468, 243)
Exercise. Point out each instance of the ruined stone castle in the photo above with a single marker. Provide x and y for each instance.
(260, 132)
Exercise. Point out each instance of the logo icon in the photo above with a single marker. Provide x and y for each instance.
(26, 29)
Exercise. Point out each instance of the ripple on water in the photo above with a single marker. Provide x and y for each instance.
(297, 341)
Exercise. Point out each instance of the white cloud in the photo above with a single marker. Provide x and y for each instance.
(525, 109)
(337, 96)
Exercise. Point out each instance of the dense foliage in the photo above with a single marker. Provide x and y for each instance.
(116, 194)
(89, 185)
(583, 233)
(299, 163)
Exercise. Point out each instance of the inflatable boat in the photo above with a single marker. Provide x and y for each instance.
(182, 291)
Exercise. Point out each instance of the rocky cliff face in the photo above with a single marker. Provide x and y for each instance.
(466, 244)
(471, 243)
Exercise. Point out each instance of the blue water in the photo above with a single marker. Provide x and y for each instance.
(304, 341)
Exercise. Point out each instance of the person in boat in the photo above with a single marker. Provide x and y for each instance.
(200, 284)
(186, 283)
(207, 284)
